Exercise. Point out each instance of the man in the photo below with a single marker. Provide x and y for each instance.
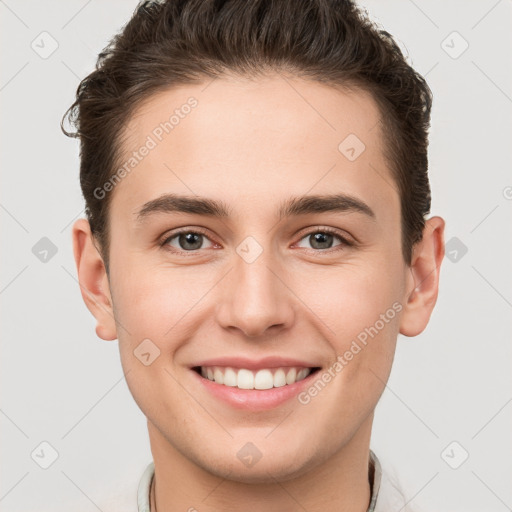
(255, 177)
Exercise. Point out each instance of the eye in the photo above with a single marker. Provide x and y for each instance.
(187, 241)
(323, 239)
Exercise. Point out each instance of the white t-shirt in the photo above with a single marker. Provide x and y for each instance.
(386, 495)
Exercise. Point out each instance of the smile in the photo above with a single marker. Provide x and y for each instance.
(265, 378)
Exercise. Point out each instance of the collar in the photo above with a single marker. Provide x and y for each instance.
(375, 476)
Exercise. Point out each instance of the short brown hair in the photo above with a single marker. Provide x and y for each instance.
(173, 42)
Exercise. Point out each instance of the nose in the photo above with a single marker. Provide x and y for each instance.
(255, 298)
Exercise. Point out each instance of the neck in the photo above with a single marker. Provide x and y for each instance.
(338, 484)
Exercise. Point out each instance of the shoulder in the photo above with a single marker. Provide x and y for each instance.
(393, 493)
(130, 495)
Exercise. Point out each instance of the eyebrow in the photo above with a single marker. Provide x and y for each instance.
(173, 203)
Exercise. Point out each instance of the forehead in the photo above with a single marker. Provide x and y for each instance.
(232, 138)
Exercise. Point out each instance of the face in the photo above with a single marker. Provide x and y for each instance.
(222, 268)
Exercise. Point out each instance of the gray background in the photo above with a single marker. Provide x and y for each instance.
(64, 386)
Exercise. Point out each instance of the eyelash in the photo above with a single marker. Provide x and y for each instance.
(344, 242)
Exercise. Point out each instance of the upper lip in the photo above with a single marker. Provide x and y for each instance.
(252, 364)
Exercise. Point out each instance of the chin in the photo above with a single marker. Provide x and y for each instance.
(261, 473)
(267, 469)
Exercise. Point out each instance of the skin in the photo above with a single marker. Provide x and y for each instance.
(254, 144)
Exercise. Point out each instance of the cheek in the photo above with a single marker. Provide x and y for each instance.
(361, 308)
(149, 307)
(151, 303)
(349, 299)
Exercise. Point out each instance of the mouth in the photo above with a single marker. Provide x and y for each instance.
(261, 379)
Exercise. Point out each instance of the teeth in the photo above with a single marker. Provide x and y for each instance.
(230, 378)
(302, 374)
(279, 378)
(218, 376)
(247, 379)
(290, 376)
(263, 380)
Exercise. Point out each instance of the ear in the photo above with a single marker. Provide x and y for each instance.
(422, 284)
(93, 280)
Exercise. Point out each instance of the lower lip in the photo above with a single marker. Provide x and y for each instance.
(254, 399)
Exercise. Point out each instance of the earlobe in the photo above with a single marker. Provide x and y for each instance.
(93, 279)
(423, 281)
